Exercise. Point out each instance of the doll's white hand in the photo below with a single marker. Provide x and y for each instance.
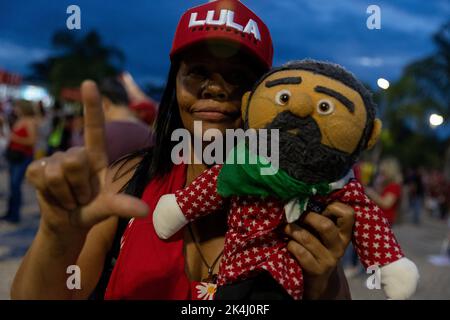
(399, 279)
(168, 217)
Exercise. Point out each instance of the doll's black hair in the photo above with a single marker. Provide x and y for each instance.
(336, 72)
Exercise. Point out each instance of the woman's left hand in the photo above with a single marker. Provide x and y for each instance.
(319, 257)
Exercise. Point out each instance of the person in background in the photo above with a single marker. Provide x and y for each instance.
(44, 129)
(76, 138)
(389, 196)
(8, 110)
(66, 134)
(124, 132)
(414, 184)
(56, 128)
(4, 133)
(19, 154)
(145, 111)
(144, 107)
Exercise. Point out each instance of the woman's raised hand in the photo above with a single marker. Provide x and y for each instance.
(71, 185)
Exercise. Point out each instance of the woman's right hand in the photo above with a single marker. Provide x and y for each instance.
(70, 185)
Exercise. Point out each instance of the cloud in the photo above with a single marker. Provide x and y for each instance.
(18, 56)
(369, 61)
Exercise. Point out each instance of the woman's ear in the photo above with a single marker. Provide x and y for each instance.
(244, 104)
(376, 130)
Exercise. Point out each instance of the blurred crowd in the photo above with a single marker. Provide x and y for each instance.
(29, 131)
(406, 195)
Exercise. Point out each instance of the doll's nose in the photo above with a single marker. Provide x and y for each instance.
(303, 105)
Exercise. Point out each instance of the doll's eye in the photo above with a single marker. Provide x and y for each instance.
(282, 97)
(325, 107)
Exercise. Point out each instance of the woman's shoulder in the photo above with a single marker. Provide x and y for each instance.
(122, 171)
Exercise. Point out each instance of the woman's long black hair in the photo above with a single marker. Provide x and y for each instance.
(156, 161)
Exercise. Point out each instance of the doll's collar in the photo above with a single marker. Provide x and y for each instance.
(339, 184)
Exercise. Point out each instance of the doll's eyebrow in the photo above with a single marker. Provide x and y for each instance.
(342, 99)
(287, 80)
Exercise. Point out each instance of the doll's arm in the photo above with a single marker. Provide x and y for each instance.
(200, 198)
(376, 245)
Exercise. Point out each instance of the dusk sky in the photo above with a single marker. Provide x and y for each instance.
(327, 29)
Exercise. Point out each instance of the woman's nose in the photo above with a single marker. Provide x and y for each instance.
(215, 89)
(302, 106)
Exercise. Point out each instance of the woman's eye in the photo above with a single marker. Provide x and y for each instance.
(237, 77)
(325, 107)
(283, 97)
(198, 71)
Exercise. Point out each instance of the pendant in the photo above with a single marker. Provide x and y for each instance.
(212, 278)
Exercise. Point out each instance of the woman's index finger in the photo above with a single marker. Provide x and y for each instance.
(94, 122)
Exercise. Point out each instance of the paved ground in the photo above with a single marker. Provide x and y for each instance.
(419, 243)
(15, 241)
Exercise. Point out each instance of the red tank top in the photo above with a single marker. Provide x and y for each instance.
(25, 149)
(151, 268)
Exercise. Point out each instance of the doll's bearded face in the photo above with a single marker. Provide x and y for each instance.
(320, 121)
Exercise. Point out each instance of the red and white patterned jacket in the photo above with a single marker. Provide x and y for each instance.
(254, 243)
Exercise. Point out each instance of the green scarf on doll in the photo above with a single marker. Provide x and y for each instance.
(239, 179)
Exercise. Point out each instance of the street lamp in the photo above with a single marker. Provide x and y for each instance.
(436, 120)
(383, 83)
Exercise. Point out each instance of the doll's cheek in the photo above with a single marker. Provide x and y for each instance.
(261, 113)
(340, 135)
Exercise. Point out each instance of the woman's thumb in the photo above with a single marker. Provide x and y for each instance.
(109, 204)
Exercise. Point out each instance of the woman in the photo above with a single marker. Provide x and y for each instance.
(43, 129)
(391, 189)
(19, 155)
(80, 223)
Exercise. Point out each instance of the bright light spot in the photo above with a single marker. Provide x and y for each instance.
(33, 93)
(436, 120)
(383, 83)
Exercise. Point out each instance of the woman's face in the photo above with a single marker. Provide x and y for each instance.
(209, 89)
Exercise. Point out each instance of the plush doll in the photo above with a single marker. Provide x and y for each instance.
(325, 118)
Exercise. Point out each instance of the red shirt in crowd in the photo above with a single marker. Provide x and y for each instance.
(391, 212)
(25, 149)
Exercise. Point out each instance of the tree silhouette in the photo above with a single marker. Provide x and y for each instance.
(424, 87)
(77, 59)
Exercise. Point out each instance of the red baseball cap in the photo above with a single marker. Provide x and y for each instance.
(227, 20)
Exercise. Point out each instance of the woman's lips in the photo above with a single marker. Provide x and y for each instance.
(211, 115)
(214, 113)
